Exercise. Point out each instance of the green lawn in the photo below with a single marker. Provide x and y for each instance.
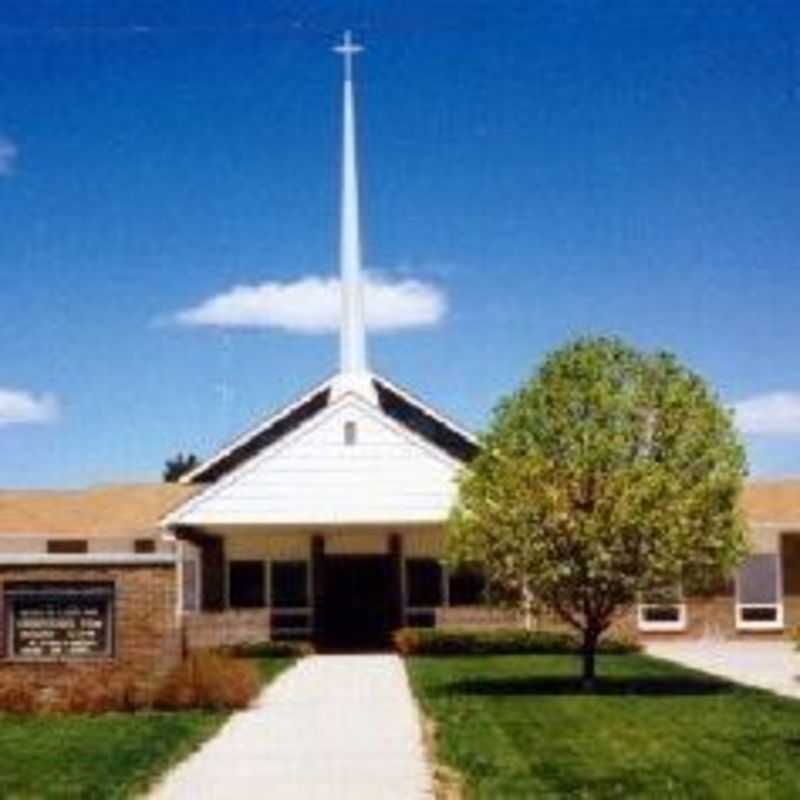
(519, 727)
(272, 666)
(105, 756)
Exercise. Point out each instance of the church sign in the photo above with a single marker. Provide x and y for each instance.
(59, 621)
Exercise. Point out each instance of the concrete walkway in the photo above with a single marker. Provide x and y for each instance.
(343, 727)
(773, 665)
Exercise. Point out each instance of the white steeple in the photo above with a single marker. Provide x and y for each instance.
(353, 374)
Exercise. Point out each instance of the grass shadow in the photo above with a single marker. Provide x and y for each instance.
(606, 685)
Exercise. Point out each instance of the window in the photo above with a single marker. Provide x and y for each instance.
(662, 610)
(758, 604)
(423, 583)
(190, 577)
(350, 433)
(291, 615)
(246, 584)
(67, 546)
(466, 587)
(290, 584)
(144, 546)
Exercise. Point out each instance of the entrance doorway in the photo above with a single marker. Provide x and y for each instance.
(358, 607)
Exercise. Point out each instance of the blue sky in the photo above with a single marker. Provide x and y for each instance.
(534, 171)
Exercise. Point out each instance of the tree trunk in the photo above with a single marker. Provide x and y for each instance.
(590, 638)
(527, 606)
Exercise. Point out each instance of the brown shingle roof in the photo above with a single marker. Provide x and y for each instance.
(111, 510)
(773, 501)
(125, 509)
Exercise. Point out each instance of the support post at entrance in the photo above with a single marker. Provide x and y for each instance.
(212, 566)
(317, 584)
(396, 572)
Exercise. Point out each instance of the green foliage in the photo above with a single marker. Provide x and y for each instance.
(272, 649)
(522, 727)
(510, 641)
(175, 468)
(610, 473)
(96, 757)
(109, 755)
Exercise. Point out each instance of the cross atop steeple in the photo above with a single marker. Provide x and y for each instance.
(347, 50)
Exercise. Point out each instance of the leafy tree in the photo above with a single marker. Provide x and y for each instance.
(609, 474)
(175, 468)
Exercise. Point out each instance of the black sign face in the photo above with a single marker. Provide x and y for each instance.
(60, 623)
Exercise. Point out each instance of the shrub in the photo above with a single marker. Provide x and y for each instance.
(273, 650)
(427, 641)
(17, 695)
(71, 692)
(209, 680)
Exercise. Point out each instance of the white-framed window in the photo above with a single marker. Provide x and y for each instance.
(758, 593)
(662, 610)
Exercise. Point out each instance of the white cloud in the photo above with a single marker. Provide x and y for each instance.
(19, 408)
(777, 413)
(8, 155)
(312, 305)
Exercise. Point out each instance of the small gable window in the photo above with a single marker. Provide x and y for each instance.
(350, 433)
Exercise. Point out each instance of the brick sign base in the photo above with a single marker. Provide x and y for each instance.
(146, 633)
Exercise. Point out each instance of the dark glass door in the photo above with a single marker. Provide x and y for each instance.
(356, 605)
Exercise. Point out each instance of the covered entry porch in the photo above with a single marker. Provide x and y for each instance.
(341, 588)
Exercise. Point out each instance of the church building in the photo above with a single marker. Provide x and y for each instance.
(332, 510)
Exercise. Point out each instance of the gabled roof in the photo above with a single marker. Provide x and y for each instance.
(313, 475)
(394, 402)
(260, 437)
(424, 421)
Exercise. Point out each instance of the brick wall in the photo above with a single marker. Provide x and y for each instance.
(712, 616)
(147, 637)
(477, 617)
(226, 628)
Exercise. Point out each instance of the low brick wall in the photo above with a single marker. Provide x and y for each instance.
(146, 633)
(203, 631)
(477, 617)
(713, 616)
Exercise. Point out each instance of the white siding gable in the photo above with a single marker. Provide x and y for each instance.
(389, 474)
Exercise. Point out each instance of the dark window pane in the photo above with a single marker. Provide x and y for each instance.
(467, 587)
(421, 619)
(246, 587)
(289, 584)
(144, 546)
(661, 614)
(281, 621)
(758, 579)
(423, 582)
(67, 546)
(759, 614)
(790, 548)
